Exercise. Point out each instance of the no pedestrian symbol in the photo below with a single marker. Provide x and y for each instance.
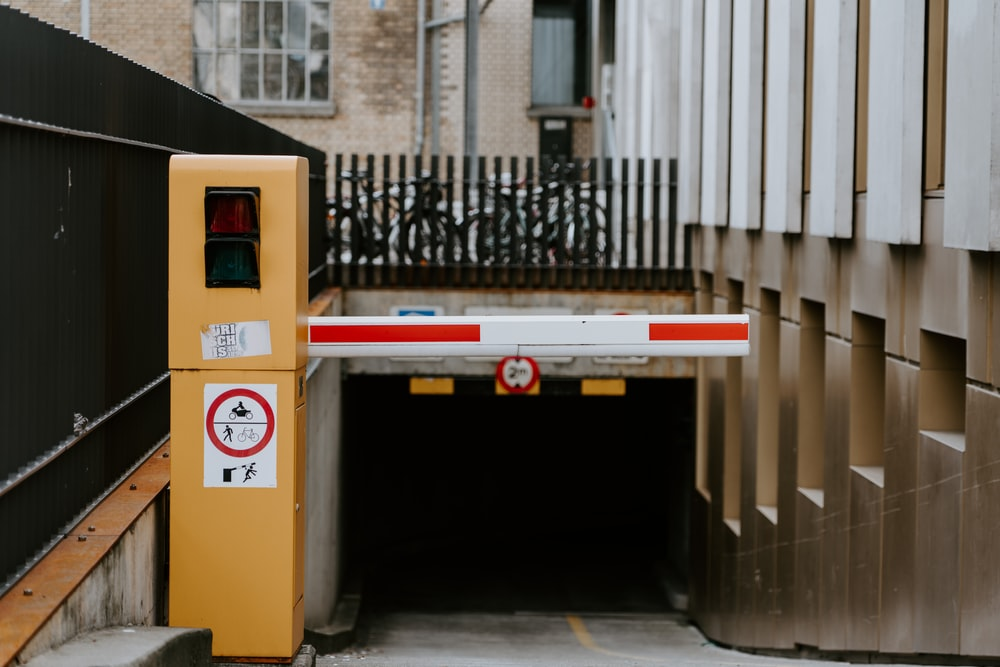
(240, 429)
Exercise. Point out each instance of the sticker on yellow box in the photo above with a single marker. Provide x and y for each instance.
(241, 433)
(231, 340)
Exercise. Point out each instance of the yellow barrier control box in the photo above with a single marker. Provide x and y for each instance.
(237, 351)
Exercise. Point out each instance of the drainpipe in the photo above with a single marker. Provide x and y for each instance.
(472, 84)
(418, 140)
(85, 19)
(436, 82)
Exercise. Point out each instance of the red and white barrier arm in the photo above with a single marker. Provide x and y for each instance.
(531, 336)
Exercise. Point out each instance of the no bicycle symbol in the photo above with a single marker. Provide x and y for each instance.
(239, 425)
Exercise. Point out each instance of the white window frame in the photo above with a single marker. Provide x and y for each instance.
(218, 21)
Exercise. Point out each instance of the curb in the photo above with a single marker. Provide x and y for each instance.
(140, 646)
(342, 632)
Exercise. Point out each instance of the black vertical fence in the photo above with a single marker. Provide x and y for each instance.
(85, 141)
(578, 225)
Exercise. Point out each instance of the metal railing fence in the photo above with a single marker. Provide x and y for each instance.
(397, 223)
(85, 142)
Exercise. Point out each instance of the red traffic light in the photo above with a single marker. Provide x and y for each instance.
(232, 211)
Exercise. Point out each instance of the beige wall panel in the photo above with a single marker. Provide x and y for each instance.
(705, 249)
(899, 506)
(903, 293)
(870, 268)
(972, 145)
(730, 623)
(790, 266)
(833, 581)
(714, 205)
(938, 571)
(690, 112)
(745, 631)
(994, 308)
(865, 558)
(983, 319)
(715, 369)
(788, 430)
(980, 514)
(774, 260)
(785, 117)
(833, 578)
(944, 281)
(833, 114)
(895, 121)
(843, 278)
(746, 152)
(764, 577)
(699, 551)
(715, 576)
(808, 565)
(737, 254)
(745, 634)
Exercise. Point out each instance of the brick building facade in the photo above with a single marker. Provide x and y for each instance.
(373, 72)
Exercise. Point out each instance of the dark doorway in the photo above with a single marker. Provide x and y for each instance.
(481, 500)
(555, 142)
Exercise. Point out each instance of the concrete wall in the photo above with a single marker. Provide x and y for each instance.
(127, 583)
(125, 588)
(324, 547)
(879, 538)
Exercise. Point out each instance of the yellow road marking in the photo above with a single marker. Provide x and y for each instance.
(583, 636)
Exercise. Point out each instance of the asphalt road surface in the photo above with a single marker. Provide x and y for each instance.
(552, 608)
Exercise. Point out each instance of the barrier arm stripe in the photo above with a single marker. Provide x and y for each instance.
(540, 335)
(393, 333)
(699, 331)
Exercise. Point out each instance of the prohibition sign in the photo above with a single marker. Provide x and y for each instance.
(517, 375)
(211, 418)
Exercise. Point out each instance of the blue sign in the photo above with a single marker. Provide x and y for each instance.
(376, 4)
(427, 311)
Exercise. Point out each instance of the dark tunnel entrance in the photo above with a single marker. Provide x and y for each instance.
(557, 501)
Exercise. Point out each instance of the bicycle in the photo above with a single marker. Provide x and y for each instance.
(247, 432)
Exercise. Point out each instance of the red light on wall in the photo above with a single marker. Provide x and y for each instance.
(589, 102)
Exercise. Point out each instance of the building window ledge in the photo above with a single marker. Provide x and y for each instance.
(575, 112)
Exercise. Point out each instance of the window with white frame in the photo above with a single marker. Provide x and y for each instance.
(264, 54)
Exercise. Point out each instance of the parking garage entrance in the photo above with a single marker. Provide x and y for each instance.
(550, 502)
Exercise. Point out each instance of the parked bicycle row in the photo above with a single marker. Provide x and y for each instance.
(561, 216)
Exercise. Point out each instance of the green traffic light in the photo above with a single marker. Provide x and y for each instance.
(232, 262)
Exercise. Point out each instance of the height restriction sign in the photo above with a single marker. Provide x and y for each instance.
(240, 426)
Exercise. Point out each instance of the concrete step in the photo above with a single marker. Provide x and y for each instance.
(140, 646)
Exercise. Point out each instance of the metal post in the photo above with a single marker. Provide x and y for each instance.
(418, 139)
(472, 82)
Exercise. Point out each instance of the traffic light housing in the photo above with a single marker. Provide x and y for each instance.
(237, 358)
(238, 262)
(232, 237)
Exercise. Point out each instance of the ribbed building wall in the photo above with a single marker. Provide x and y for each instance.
(847, 498)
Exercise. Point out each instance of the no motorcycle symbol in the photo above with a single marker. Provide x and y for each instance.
(517, 375)
(240, 432)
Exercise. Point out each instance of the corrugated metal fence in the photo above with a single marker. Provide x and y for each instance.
(85, 139)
